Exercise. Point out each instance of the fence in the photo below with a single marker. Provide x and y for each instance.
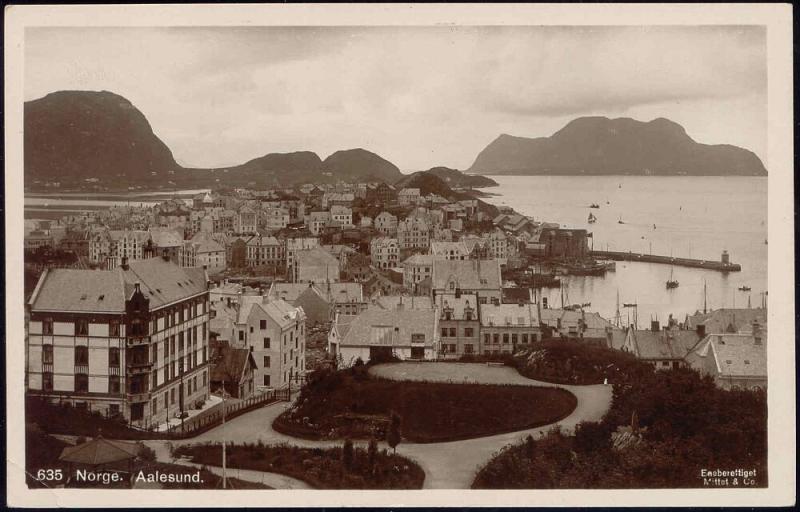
(212, 417)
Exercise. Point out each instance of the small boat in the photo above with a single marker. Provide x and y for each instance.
(594, 205)
(671, 283)
(744, 288)
(620, 221)
(629, 305)
(592, 219)
(765, 241)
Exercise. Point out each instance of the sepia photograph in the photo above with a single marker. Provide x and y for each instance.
(404, 248)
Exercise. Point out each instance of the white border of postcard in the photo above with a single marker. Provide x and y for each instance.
(781, 399)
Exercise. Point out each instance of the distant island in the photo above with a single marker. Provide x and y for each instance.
(603, 146)
(98, 140)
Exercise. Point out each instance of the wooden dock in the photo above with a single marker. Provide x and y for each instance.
(667, 260)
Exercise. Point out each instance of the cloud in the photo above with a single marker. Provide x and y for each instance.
(419, 96)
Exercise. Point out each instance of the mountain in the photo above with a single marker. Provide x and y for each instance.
(429, 183)
(71, 136)
(458, 179)
(598, 145)
(360, 164)
(74, 136)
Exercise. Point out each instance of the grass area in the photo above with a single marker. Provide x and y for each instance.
(43, 450)
(663, 428)
(322, 468)
(352, 404)
(67, 420)
(571, 362)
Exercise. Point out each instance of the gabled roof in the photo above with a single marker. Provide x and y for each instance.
(467, 274)
(339, 292)
(514, 315)
(78, 290)
(315, 256)
(99, 451)
(392, 302)
(726, 320)
(665, 344)
(232, 364)
(458, 305)
(391, 327)
(736, 355)
(163, 238)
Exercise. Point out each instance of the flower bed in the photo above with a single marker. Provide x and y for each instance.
(321, 468)
(348, 404)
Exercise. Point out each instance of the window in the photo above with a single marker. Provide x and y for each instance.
(468, 348)
(81, 383)
(468, 332)
(82, 327)
(266, 343)
(266, 361)
(81, 355)
(136, 327)
(525, 337)
(514, 338)
(453, 332)
(113, 328)
(251, 329)
(47, 326)
(166, 399)
(113, 357)
(486, 338)
(180, 342)
(47, 381)
(262, 324)
(266, 380)
(496, 338)
(113, 410)
(505, 337)
(172, 344)
(417, 338)
(444, 332)
(204, 379)
(417, 352)
(172, 396)
(241, 335)
(47, 354)
(154, 407)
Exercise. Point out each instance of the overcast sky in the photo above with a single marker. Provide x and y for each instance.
(418, 96)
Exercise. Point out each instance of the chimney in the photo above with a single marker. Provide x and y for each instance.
(701, 330)
(654, 326)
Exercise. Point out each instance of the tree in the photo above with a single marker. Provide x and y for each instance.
(530, 447)
(372, 453)
(347, 454)
(393, 436)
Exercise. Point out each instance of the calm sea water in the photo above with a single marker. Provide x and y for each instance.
(693, 217)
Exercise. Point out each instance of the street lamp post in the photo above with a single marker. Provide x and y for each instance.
(224, 441)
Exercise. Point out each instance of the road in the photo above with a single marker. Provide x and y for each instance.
(450, 465)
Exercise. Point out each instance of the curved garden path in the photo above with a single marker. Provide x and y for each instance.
(449, 465)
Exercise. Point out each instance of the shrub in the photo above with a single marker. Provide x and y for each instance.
(393, 436)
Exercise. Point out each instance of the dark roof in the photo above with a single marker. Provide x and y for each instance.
(99, 451)
(231, 365)
(82, 290)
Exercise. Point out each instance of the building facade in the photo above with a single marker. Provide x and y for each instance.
(130, 342)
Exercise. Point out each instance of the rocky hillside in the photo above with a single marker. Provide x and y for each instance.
(72, 136)
(458, 179)
(360, 164)
(75, 136)
(598, 146)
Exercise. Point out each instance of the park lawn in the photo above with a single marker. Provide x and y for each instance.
(352, 404)
(321, 468)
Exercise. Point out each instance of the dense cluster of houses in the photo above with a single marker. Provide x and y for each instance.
(162, 317)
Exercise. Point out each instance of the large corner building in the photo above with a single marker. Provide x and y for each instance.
(131, 341)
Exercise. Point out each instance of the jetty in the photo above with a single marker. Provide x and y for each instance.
(723, 265)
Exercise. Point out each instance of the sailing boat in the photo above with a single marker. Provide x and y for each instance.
(620, 220)
(592, 219)
(671, 283)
